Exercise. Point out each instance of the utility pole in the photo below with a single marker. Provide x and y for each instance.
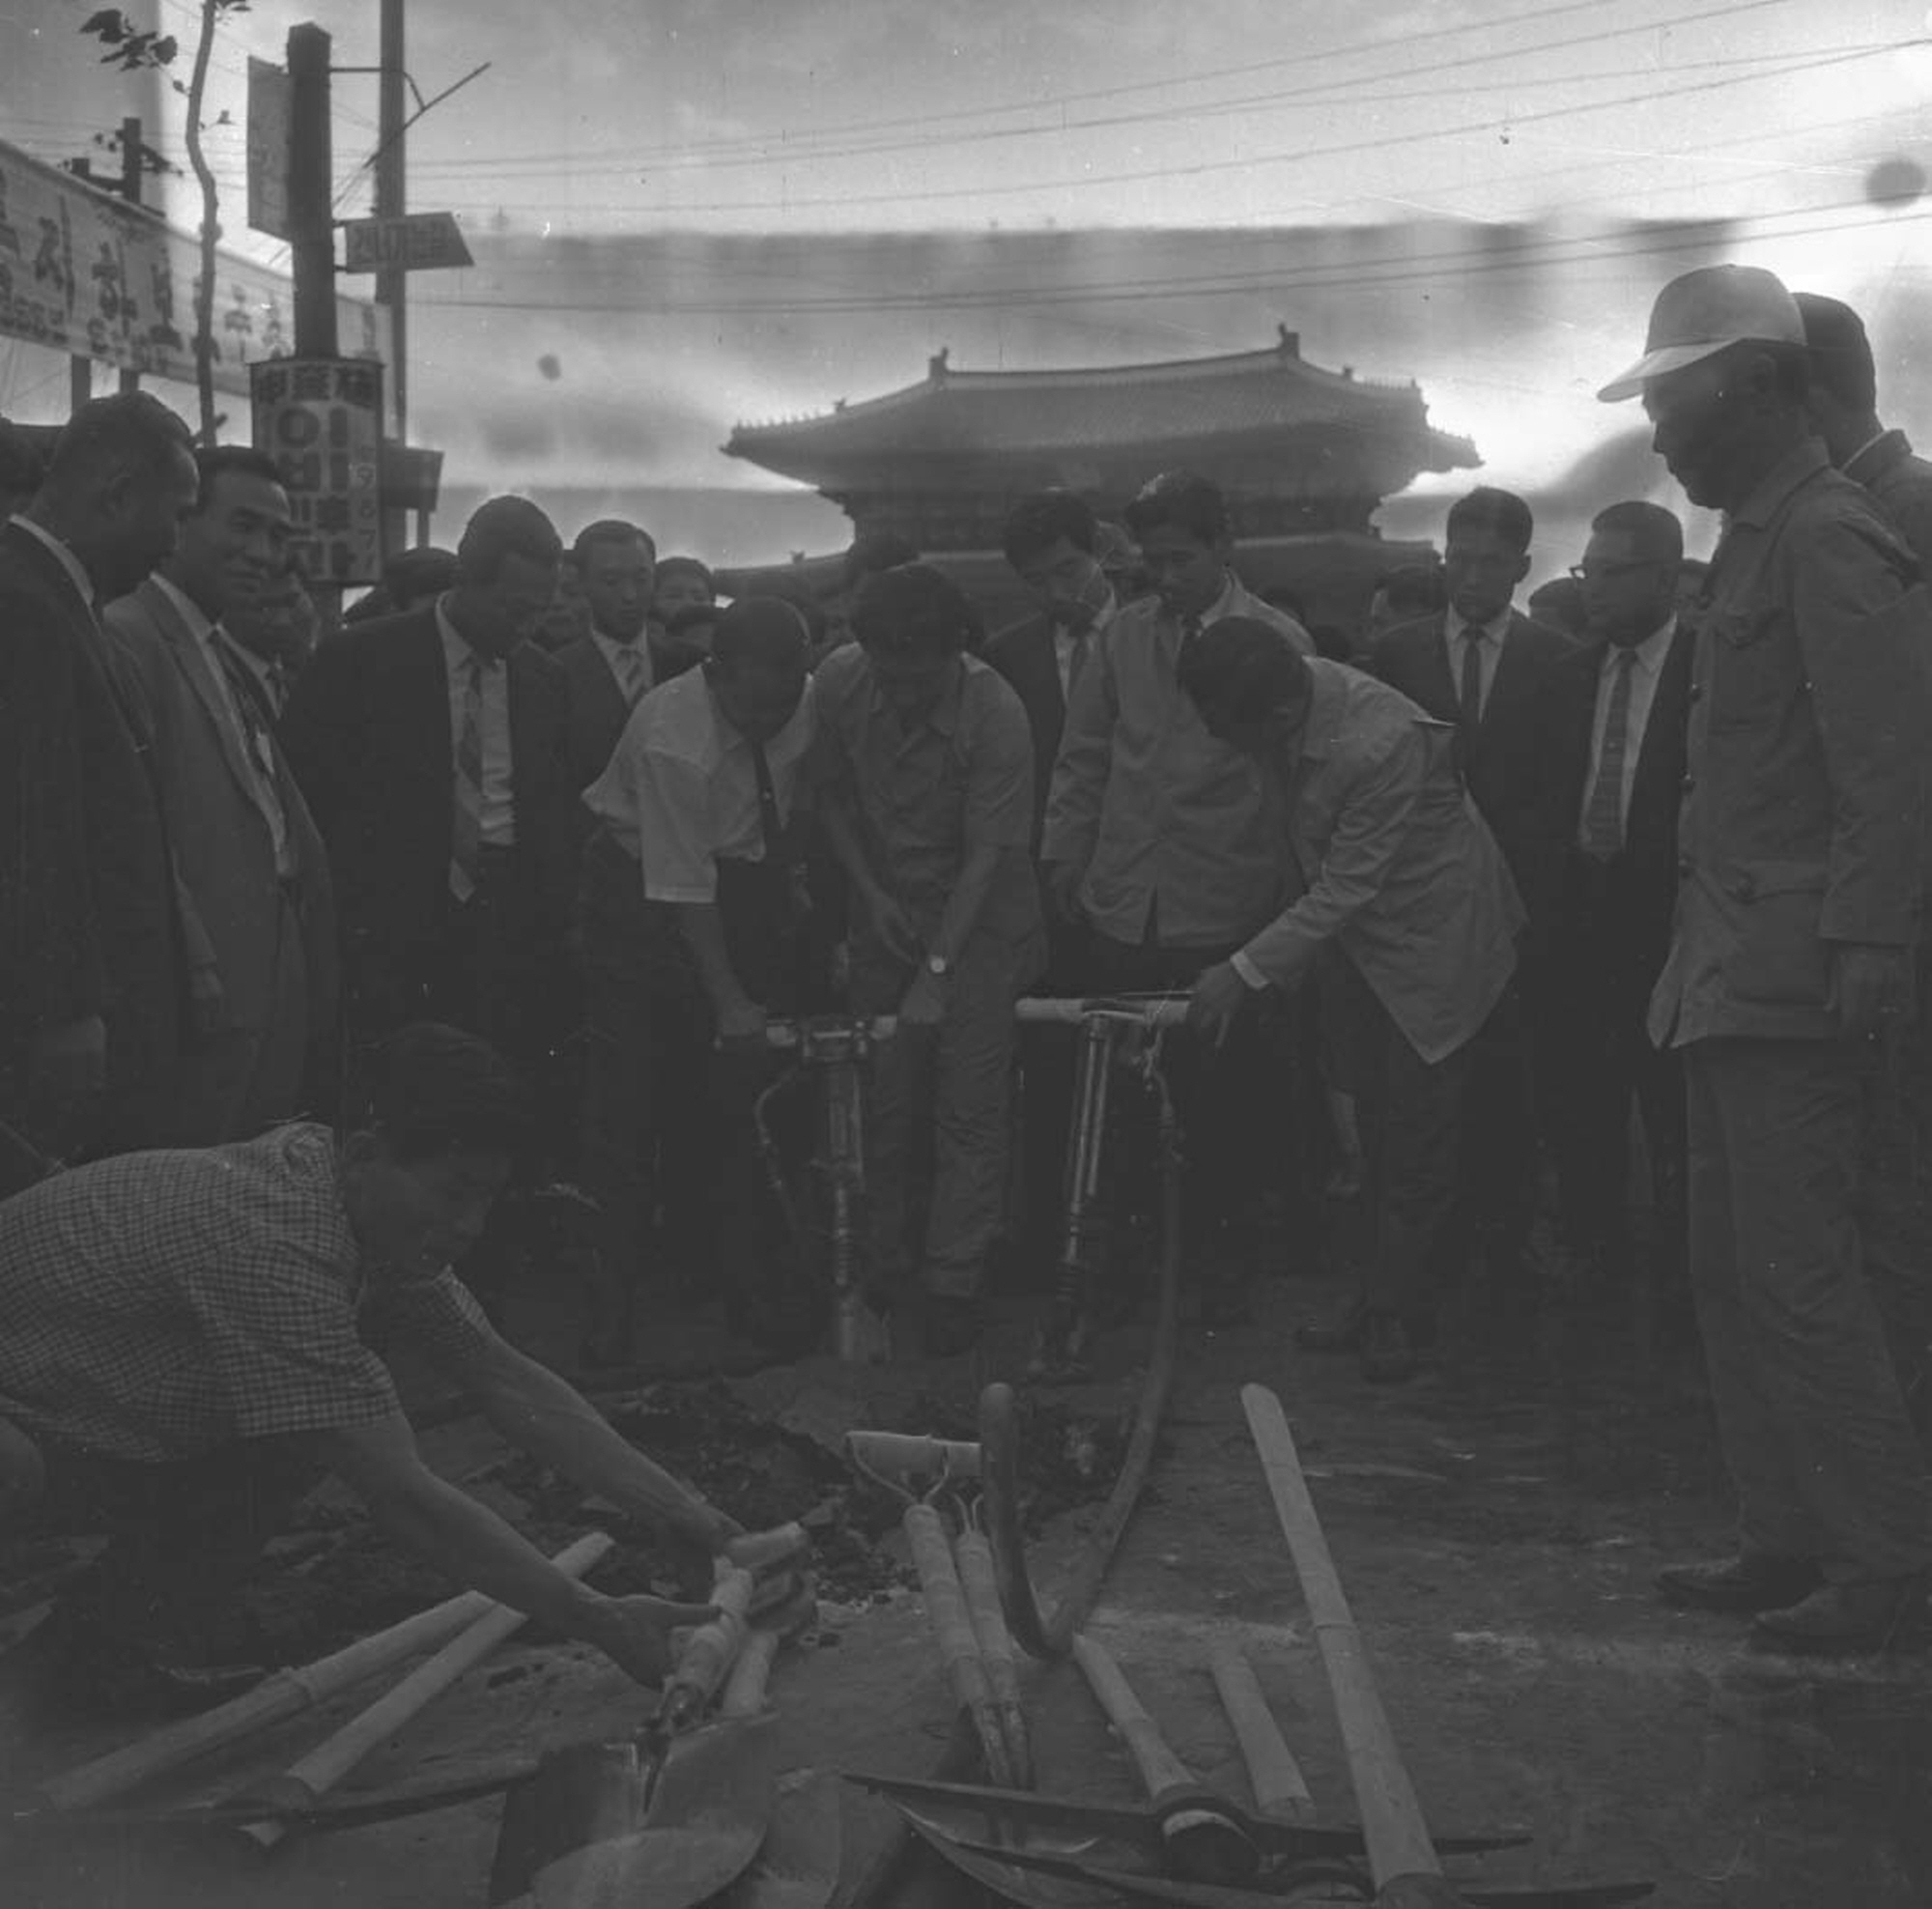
(130, 190)
(311, 214)
(392, 202)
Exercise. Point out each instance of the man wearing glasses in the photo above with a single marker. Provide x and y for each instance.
(1618, 741)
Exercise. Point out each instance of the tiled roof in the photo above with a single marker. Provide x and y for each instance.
(966, 413)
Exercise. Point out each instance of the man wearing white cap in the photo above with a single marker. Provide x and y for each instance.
(1791, 952)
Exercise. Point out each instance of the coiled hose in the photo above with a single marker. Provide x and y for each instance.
(1049, 1640)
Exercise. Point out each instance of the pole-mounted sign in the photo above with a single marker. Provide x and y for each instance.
(414, 241)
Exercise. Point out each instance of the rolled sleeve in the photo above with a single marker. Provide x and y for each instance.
(672, 810)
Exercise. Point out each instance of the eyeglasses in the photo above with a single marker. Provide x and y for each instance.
(1609, 573)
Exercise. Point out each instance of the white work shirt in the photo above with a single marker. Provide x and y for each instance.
(1645, 674)
(498, 825)
(614, 652)
(1489, 650)
(1065, 641)
(681, 792)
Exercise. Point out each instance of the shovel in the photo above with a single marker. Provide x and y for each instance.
(618, 1825)
(798, 1868)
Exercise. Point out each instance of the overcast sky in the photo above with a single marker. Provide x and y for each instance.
(1486, 171)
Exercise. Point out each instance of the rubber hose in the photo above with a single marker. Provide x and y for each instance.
(878, 1884)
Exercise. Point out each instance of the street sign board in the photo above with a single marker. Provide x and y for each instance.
(417, 242)
(321, 419)
(268, 148)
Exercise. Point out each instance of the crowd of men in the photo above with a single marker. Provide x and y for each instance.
(557, 817)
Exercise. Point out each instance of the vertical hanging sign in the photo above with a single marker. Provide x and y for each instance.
(321, 419)
(268, 148)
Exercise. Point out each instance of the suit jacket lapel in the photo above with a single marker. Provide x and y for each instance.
(1435, 666)
(522, 745)
(1509, 683)
(1660, 760)
(193, 662)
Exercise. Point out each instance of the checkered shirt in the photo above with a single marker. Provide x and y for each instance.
(157, 1306)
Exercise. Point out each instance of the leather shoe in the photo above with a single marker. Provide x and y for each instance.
(1867, 1615)
(1387, 1352)
(1739, 1585)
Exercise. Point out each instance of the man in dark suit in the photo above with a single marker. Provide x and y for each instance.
(1485, 667)
(1049, 542)
(434, 750)
(611, 665)
(92, 969)
(1619, 707)
(248, 856)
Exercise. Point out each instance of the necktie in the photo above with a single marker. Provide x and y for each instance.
(630, 674)
(1076, 659)
(465, 836)
(244, 694)
(1604, 813)
(1471, 696)
(771, 824)
(1190, 634)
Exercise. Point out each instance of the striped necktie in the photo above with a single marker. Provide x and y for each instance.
(1604, 813)
(632, 675)
(466, 838)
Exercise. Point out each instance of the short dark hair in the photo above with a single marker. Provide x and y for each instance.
(427, 570)
(430, 1090)
(1841, 354)
(128, 428)
(1039, 522)
(685, 566)
(1558, 604)
(1655, 532)
(500, 529)
(1242, 663)
(911, 605)
(875, 550)
(608, 530)
(689, 616)
(759, 632)
(213, 464)
(1415, 587)
(1182, 499)
(1501, 513)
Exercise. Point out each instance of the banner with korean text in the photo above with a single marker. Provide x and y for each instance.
(321, 419)
(97, 279)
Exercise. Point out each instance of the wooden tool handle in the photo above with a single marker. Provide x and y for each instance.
(1160, 1769)
(952, 1627)
(745, 1688)
(976, 1579)
(1281, 1792)
(1392, 1821)
(909, 1455)
(710, 1650)
(324, 1767)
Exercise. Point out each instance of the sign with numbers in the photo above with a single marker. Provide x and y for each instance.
(321, 419)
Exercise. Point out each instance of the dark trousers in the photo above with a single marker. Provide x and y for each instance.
(954, 1083)
(1594, 1061)
(1413, 1117)
(182, 1539)
(1814, 1430)
(1896, 1200)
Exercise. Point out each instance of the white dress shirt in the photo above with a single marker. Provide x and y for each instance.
(1645, 674)
(613, 653)
(681, 791)
(498, 825)
(1490, 649)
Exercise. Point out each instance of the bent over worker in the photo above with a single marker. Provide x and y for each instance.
(925, 765)
(1409, 909)
(188, 1349)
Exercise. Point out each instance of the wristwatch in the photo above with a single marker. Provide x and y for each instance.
(938, 966)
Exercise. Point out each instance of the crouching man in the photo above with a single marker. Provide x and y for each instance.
(924, 762)
(1407, 911)
(188, 1349)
